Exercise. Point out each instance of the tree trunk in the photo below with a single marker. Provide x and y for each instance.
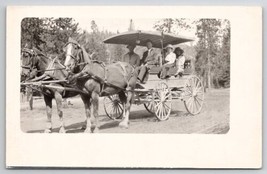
(209, 78)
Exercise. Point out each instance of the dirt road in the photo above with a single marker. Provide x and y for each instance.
(214, 118)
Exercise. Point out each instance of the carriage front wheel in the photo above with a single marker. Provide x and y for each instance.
(149, 105)
(113, 106)
(162, 101)
(193, 95)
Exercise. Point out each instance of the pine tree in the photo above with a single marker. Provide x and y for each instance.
(169, 25)
(31, 30)
(131, 26)
(207, 32)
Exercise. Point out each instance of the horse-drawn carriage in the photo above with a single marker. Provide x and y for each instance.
(92, 82)
(157, 94)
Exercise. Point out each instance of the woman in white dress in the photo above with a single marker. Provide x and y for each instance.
(180, 61)
(168, 62)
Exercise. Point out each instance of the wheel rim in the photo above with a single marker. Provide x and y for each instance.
(149, 106)
(113, 107)
(162, 98)
(193, 95)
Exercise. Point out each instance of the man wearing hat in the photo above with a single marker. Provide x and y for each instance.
(169, 61)
(131, 57)
(148, 60)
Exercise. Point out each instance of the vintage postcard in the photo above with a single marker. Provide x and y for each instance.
(134, 87)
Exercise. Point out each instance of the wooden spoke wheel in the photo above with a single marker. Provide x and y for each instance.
(193, 95)
(149, 107)
(162, 101)
(113, 106)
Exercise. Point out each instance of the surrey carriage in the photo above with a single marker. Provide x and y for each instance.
(156, 94)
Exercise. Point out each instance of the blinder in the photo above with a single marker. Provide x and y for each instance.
(30, 54)
(76, 46)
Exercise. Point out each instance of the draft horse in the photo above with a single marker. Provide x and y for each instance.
(35, 66)
(98, 80)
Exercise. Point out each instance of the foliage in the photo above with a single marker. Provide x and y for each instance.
(212, 50)
(170, 25)
(47, 34)
(210, 56)
(57, 33)
(213, 47)
(93, 43)
(30, 32)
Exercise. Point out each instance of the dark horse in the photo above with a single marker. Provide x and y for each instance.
(35, 66)
(100, 80)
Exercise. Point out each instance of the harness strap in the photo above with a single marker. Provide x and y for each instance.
(127, 79)
(102, 82)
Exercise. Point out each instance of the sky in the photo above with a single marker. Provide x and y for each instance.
(122, 25)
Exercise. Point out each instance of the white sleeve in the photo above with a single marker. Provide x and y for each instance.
(170, 58)
(181, 61)
(173, 58)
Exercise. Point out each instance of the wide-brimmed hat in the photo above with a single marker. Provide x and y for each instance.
(169, 46)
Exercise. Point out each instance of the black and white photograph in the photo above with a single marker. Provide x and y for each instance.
(134, 87)
(168, 75)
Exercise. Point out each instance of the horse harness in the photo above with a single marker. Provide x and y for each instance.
(102, 82)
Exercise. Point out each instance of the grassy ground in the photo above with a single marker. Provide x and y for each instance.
(214, 118)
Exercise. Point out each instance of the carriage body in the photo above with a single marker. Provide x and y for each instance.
(158, 94)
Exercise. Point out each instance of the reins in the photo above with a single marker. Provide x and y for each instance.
(34, 54)
(31, 68)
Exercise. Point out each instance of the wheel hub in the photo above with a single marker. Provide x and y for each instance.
(194, 94)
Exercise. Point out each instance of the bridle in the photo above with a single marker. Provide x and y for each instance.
(30, 66)
(72, 56)
(76, 60)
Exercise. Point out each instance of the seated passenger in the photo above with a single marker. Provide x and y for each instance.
(148, 60)
(180, 60)
(131, 57)
(168, 62)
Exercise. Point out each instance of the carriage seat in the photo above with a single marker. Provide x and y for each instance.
(157, 70)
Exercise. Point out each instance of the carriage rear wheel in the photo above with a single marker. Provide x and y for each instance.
(113, 106)
(193, 95)
(162, 101)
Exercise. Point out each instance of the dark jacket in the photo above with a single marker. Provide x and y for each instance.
(151, 58)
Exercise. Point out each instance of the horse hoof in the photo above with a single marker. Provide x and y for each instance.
(96, 130)
(87, 130)
(47, 131)
(83, 127)
(123, 125)
(62, 130)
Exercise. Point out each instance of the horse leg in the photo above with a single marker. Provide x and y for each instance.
(123, 99)
(125, 120)
(94, 111)
(31, 101)
(29, 93)
(86, 102)
(48, 103)
(58, 98)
